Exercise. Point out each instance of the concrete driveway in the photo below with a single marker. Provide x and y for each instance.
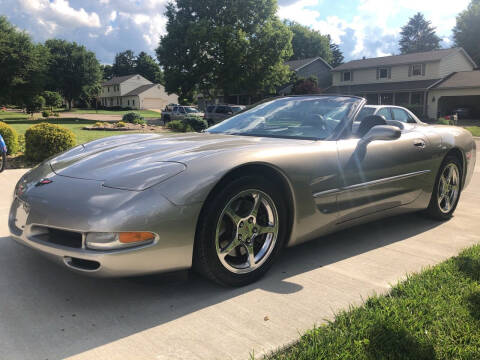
(47, 312)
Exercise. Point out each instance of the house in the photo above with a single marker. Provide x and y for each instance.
(410, 80)
(305, 68)
(136, 92)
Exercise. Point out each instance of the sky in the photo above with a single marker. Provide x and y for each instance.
(361, 27)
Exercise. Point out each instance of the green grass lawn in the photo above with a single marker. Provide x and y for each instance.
(144, 113)
(21, 124)
(431, 315)
(475, 130)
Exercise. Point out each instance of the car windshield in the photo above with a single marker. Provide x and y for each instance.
(191, 110)
(305, 117)
(236, 108)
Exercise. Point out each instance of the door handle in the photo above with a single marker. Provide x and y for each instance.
(419, 144)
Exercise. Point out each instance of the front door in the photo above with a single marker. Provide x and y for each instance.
(380, 175)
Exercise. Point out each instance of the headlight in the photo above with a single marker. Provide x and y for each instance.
(110, 241)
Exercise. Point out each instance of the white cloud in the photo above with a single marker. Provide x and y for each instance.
(113, 15)
(60, 12)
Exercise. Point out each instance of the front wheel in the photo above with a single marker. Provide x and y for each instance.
(3, 161)
(446, 191)
(241, 231)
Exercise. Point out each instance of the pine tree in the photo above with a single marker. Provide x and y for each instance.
(418, 35)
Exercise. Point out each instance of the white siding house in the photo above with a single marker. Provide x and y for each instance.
(136, 92)
(404, 80)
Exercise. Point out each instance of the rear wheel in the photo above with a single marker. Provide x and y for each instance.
(3, 161)
(446, 192)
(241, 232)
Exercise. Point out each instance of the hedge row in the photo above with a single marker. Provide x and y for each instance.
(41, 140)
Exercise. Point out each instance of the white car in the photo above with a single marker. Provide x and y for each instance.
(389, 112)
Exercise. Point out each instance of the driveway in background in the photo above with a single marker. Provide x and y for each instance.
(48, 312)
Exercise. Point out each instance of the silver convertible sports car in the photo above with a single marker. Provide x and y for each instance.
(228, 200)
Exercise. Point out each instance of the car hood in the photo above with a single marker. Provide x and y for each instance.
(119, 160)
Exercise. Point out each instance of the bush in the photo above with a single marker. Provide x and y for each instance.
(35, 104)
(179, 126)
(46, 113)
(10, 136)
(120, 124)
(445, 121)
(56, 114)
(52, 99)
(196, 123)
(44, 140)
(98, 124)
(133, 118)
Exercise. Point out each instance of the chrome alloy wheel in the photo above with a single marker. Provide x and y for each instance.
(247, 231)
(448, 188)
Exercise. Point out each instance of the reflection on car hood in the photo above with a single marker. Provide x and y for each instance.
(126, 154)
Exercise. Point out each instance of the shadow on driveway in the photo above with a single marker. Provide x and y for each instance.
(41, 302)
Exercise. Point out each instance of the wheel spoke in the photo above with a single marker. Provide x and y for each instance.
(447, 203)
(265, 229)
(450, 174)
(257, 197)
(251, 255)
(233, 216)
(233, 244)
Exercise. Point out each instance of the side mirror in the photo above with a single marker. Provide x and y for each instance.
(381, 132)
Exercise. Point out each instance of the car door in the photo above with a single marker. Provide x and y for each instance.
(381, 174)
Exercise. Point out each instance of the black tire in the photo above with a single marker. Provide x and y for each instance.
(434, 211)
(3, 161)
(206, 261)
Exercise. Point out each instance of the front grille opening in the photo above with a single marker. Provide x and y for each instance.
(59, 237)
(82, 264)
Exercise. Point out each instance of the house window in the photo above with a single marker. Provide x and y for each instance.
(133, 102)
(417, 70)
(128, 102)
(108, 89)
(383, 73)
(347, 76)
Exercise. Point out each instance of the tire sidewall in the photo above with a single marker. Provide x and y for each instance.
(205, 240)
(4, 161)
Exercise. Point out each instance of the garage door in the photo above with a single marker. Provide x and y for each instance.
(447, 104)
(152, 103)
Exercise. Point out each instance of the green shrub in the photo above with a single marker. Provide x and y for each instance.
(196, 123)
(44, 140)
(35, 104)
(10, 136)
(52, 99)
(444, 121)
(120, 124)
(46, 113)
(56, 114)
(179, 126)
(99, 124)
(133, 118)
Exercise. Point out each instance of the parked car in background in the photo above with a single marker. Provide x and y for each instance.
(179, 112)
(463, 112)
(389, 112)
(216, 113)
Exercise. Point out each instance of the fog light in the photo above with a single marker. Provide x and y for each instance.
(109, 241)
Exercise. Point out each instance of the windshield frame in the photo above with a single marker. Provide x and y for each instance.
(343, 129)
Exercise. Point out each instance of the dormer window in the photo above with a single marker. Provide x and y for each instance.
(347, 76)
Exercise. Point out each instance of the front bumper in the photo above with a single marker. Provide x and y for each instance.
(81, 206)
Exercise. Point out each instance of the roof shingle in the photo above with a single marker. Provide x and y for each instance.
(118, 79)
(420, 57)
(461, 79)
(140, 89)
(417, 85)
(297, 64)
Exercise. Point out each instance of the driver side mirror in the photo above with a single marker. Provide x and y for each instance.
(381, 132)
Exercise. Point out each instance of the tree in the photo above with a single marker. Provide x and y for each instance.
(224, 46)
(35, 104)
(146, 66)
(52, 99)
(308, 43)
(306, 86)
(73, 69)
(124, 63)
(418, 35)
(467, 30)
(337, 55)
(23, 65)
(107, 71)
